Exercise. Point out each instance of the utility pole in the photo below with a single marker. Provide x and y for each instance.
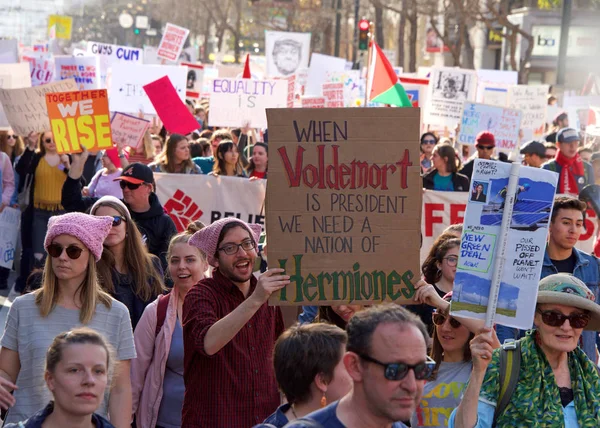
(338, 25)
(355, 43)
(564, 41)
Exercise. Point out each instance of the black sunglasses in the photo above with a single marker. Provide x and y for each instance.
(117, 220)
(398, 371)
(48, 140)
(129, 185)
(73, 251)
(486, 147)
(14, 137)
(428, 142)
(556, 319)
(440, 319)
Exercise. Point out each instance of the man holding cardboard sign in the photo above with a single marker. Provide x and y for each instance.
(79, 119)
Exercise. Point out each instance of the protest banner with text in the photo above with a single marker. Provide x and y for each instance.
(109, 54)
(12, 76)
(172, 42)
(128, 130)
(449, 88)
(532, 100)
(84, 69)
(235, 102)
(344, 222)
(79, 118)
(41, 66)
(25, 108)
(333, 94)
(504, 123)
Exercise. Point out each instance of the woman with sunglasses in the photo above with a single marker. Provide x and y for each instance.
(157, 372)
(70, 297)
(439, 270)
(452, 355)
(12, 145)
(175, 157)
(444, 175)
(428, 142)
(558, 385)
(126, 270)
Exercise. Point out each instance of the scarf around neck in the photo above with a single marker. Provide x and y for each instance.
(536, 401)
(570, 168)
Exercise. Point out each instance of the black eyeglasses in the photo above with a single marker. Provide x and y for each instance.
(73, 251)
(14, 137)
(117, 220)
(428, 142)
(440, 319)
(231, 249)
(486, 147)
(129, 185)
(556, 319)
(398, 371)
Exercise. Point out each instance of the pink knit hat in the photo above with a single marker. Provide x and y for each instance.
(90, 230)
(207, 239)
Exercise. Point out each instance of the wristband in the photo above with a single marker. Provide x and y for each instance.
(122, 156)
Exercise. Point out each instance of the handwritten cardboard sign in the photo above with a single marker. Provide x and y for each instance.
(109, 54)
(127, 129)
(174, 114)
(172, 42)
(344, 221)
(448, 89)
(504, 123)
(127, 82)
(234, 102)
(532, 101)
(84, 69)
(59, 26)
(79, 118)
(12, 76)
(25, 108)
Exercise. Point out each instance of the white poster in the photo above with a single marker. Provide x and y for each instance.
(577, 108)
(503, 122)
(84, 69)
(448, 89)
(354, 86)
(9, 231)
(13, 76)
(109, 54)
(9, 51)
(151, 55)
(286, 52)
(188, 198)
(126, 93)
(317, 72)
(41, 65)
(532, 100)
(494, 94)
(234, 102)
(492, 79)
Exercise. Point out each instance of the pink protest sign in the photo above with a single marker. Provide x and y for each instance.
(172, 111)
(128, 129)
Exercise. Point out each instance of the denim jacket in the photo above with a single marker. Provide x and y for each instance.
(587, 269)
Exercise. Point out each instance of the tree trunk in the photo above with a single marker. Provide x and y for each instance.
(412, 38)
(468, 53)
(401, 33)
(379, 27)
(205, 51)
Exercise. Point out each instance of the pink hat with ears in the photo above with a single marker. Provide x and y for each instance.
(89, 229)
(207, 239)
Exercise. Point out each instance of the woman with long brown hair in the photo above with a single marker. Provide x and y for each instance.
(127, 271)
(445, 176)
(11, 144)
(228, 160)
(175, 157)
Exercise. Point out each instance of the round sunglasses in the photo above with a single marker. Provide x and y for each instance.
(440, 319)
(557, 319)
(73, 251)
(398, 371)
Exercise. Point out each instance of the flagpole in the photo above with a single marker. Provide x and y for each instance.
(369, 57)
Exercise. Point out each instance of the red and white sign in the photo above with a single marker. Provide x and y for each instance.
(312, 102)
(334, 94)
(172, 42)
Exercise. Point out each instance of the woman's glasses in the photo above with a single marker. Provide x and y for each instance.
(117, 220)
(440, 319)
(556, 319)
(73, 251)
(451, 260)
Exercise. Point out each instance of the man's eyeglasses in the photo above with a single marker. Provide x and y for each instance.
(556, 319)
(130, 186)
(73, 251)
(231, 249)
(485, 147)
(452, 260)
(440, 319)
(398, 371)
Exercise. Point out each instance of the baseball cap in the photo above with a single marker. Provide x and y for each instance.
(567, 135)
(485, 137)
(137, 173)
(534, 148)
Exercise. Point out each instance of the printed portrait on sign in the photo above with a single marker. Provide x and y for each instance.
(286, 52)
(452, 85)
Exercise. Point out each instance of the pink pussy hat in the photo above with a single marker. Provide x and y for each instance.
(207, 239)
(90, 230)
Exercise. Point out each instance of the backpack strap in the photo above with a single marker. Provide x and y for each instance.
(161, 311)
(510, 365)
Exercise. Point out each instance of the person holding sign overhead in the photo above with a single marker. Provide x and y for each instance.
(555, 383)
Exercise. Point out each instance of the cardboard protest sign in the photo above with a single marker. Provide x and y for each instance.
(333, 94)
(9, 51)
(532, 101)
(41, 66)
(317, 72)
(60, 26)
(12, 76)
(286, 52)
(172, 42)
(84, 69)
(195, 80)
(503, 243)
(128, 130)
(312, 102)
(126, 92)
(234, 102)
(9, 232)
(504, 123)
(109, 54)
(79, 118)
(344, 221)
(448, 89)
(173, 113)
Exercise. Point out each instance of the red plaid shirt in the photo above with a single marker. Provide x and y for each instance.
(236, 387)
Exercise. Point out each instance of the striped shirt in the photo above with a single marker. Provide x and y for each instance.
(31, 335)
(235, 387)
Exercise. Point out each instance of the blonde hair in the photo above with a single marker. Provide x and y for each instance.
(90, 292)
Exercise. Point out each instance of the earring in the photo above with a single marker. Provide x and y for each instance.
(323, 401)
